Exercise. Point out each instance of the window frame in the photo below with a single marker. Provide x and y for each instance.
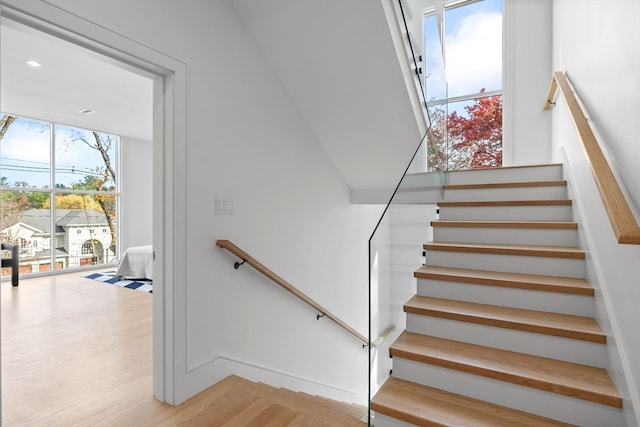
(438, 10)
(53, 192)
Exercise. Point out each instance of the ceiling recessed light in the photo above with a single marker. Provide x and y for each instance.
(34, 64)
(86, 111)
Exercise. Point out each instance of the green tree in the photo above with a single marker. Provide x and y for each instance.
(38, 199)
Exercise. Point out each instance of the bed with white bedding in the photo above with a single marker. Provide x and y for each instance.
(136, 263)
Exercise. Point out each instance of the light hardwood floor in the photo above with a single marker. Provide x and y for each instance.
(76, 352)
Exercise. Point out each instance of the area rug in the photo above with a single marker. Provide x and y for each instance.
(111, 278)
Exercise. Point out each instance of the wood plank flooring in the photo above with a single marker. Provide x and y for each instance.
(76, 352)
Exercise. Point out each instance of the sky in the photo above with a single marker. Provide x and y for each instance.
(473, 50)
(25, 155)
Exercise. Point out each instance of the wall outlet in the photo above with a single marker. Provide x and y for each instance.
(224, 206)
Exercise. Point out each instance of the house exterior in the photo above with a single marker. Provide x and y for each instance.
(82, 237)
(294, 110)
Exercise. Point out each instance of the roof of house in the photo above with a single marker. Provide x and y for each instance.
(46, 253)
(40, 218)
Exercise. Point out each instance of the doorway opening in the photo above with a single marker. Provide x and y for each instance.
(168, 78)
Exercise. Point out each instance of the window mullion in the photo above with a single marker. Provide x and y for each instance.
(52, 197)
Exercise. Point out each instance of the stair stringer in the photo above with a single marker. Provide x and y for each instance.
(617, 364)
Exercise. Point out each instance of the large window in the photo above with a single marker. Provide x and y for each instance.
(463, 83)
(58, 196)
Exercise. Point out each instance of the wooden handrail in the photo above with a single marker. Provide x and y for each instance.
(245, 257)
(621, 217)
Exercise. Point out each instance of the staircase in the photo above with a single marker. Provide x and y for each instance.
(501, 331)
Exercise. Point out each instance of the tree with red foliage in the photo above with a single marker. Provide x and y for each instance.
(476, 140)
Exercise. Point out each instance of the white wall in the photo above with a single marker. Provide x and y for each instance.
(526, 77)
(136, 215)
(597, 44)
(247, 141)
(336, 61)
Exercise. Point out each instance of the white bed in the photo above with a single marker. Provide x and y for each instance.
(136, 263)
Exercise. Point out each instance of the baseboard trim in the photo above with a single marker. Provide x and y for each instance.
(224, 365)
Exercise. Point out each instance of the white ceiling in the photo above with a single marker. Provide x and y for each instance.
(71, 79)
(337, 61)
(334, 58)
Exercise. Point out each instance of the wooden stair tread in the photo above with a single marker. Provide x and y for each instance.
(552, 225)
(489, 203)
(515, 280)
(506, 185)
(427, 406)
(510, 249)
(566, 378)
(562, 325)
(421, 405)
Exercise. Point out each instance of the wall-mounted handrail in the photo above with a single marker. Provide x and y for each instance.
(323, 312)
(620, 215)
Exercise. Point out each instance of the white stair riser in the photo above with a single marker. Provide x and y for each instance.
(564, 267)
(518, 236)
(507, 213)
(578, 305)
(521, 174)
(552, 405)
(556, 192)
(570, 350)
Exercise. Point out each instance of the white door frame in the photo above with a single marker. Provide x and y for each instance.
(169, 171)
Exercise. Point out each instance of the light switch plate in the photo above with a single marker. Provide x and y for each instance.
(224, 206)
